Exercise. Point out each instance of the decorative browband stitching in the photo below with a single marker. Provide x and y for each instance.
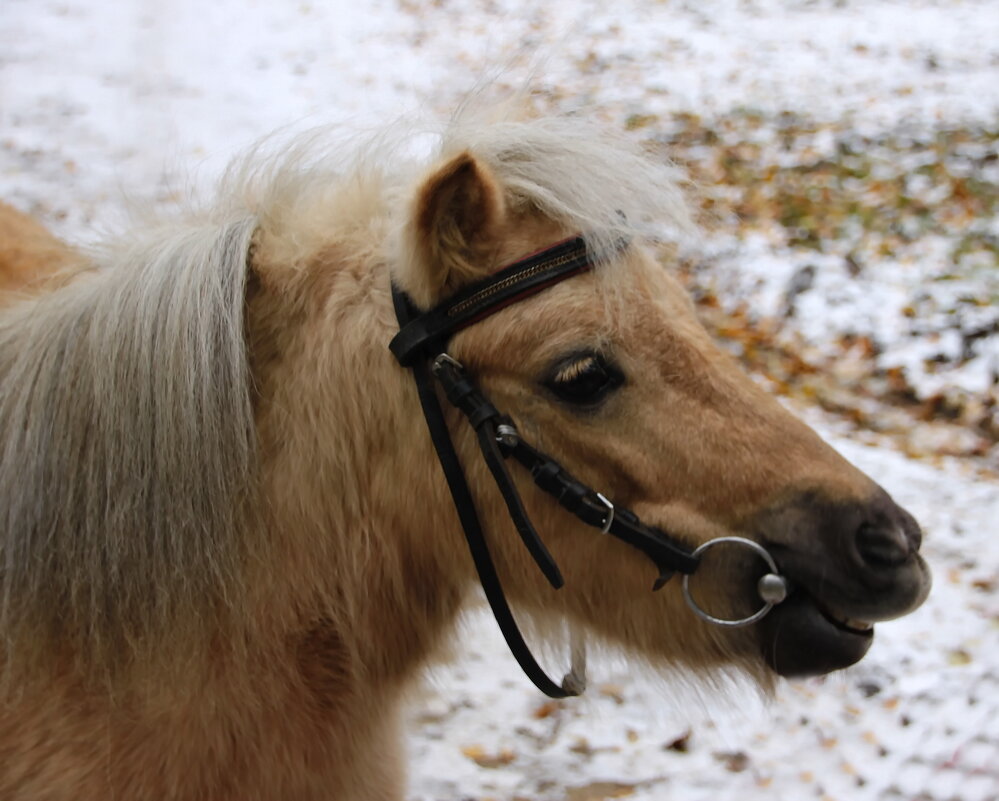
(576, 257)
(430, 330)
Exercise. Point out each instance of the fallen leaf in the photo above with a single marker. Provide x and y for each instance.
(545, 710)
(681, 744)
(484, 759)
(599, 791)
(734, 761)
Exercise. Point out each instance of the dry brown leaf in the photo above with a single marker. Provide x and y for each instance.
(599, 791)
(681, 744)
(545, 710)
(734, 761)
(612, 691)
(484, 759)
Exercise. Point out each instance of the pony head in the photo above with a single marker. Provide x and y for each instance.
(612, 372)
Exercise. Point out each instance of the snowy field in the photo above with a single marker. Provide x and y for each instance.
(105, 103)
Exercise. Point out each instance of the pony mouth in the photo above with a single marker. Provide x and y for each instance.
(802, 637)
(848, 624)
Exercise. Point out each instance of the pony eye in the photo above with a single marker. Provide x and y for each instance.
(584, 379)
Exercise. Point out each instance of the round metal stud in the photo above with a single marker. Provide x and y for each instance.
(769, 586)
(772, 588)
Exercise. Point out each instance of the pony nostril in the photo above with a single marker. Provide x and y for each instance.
(883, 546)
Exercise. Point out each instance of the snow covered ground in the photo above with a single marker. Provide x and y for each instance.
(103, 101)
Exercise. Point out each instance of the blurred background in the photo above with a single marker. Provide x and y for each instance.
(843, 157)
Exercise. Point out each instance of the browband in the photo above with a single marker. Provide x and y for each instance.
(428, 332)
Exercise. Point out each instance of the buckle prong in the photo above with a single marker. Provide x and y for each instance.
(445, 359)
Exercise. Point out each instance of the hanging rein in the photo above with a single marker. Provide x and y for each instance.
(421, 345)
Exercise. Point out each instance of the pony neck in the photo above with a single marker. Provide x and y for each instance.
(353, 553)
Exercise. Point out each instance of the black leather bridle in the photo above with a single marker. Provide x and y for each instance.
(421, 344)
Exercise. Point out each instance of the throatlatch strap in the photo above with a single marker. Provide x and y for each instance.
(465, 506)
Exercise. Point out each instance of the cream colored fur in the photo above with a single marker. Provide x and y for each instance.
(227, 550)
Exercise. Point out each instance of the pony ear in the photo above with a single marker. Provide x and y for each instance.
(453, 230)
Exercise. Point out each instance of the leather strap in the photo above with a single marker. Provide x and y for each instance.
(431, 330)
(424, 336)
(583, 501)
(465, 507)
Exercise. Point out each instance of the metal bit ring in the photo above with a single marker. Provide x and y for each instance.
(772, 586)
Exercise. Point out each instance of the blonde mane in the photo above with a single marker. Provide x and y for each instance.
(128, 446)
(323, 186)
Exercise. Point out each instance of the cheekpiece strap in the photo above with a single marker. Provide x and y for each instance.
(465, 507)
(573, 495)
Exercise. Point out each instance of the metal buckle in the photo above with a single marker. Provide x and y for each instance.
(441, 360)
(605, 529)
(772, 587)
(507, 434)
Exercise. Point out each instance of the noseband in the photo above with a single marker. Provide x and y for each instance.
(421, 344)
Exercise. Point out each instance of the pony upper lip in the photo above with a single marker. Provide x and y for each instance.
(850, 597)
(840, 619)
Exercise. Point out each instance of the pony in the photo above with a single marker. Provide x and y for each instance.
(227, 551)
(29, 254)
